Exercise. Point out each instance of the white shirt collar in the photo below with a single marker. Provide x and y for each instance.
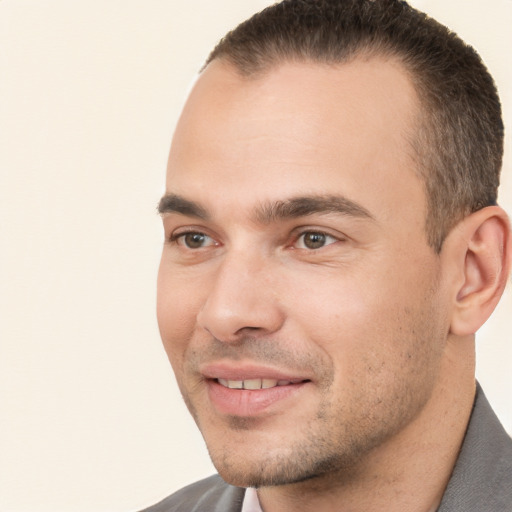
(251, 502)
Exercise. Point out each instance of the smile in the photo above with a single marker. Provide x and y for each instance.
(255, 396)
(254, 384)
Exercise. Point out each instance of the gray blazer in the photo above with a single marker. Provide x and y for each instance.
(481, 480)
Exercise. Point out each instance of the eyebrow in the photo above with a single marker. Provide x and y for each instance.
(272, 211)
(172, 203)
(309, 205)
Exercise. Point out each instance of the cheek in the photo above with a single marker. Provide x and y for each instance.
(177, 307)
(330, 307)
(365, 320)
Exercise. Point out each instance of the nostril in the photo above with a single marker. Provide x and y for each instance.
(233, 310)
(247, 330)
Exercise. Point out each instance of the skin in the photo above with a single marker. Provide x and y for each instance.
(364, 317)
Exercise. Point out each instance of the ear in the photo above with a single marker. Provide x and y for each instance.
(481, 247)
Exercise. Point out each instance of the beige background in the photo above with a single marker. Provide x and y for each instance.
(90, 418)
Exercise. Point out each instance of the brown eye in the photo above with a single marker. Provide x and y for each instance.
(314, 240)
(194, 240)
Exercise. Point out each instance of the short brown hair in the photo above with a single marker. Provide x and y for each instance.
(459, 139)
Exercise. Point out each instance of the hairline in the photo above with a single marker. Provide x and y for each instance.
(419, 117)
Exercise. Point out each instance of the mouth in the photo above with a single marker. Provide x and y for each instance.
(255, 384)
(251, 391)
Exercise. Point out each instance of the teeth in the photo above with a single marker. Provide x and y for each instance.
(268, 383)
(232, 384)
(253, 383)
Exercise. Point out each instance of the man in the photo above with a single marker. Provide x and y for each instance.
(333, 243)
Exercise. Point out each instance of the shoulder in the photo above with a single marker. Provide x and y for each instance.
(482, 477)
(209, 495)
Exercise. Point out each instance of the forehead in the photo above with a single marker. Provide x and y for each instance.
(299, 129)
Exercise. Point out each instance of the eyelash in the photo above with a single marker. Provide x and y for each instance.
(175, 238)
(325, 236)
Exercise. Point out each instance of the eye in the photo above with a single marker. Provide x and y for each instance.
(193, 240)
(314, 240)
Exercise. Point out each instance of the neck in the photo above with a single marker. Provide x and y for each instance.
(408, 472)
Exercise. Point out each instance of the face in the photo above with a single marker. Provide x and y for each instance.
(298, 300)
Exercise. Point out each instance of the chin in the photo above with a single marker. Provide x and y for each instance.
(290, 466)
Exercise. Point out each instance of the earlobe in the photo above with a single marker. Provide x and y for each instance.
(484, 255)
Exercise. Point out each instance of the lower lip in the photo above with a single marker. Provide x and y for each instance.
(245, 402)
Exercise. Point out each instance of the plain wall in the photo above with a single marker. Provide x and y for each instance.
(90, 417)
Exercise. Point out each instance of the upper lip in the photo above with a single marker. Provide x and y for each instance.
(238, 372)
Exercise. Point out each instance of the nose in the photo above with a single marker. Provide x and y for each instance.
(242, 300)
